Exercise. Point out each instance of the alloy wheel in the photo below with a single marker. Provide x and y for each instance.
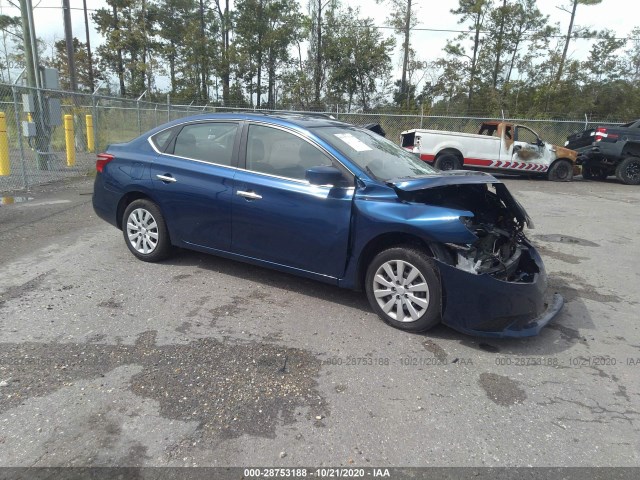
(401, 291)
(142, 231)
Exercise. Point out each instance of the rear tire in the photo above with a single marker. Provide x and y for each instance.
(145, 231)
(561, 171)
(448, 161)
(628, 171)
(403, 288)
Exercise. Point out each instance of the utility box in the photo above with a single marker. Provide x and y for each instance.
(54, 118)
(28, 105)
(28, 129)
(50, 79)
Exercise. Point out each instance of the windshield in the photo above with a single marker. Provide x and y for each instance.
(376, 155)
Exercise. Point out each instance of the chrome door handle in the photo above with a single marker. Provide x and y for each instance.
(166, 178)
(249, 195)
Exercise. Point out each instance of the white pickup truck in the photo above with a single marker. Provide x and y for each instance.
(499, 147)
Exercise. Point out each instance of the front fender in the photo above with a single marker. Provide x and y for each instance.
(430, 223)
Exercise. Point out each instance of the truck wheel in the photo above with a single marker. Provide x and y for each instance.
(594, 173)
(561, 171)
(403, 288)
(448, 161)
(628, 171)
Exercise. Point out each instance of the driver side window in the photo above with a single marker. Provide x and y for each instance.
(526, 135)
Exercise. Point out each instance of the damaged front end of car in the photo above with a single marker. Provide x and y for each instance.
(495, 283)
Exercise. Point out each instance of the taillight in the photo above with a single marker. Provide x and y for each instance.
(600, 134)
(103, 159)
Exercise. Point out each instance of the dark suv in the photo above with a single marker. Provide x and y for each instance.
(609, 150)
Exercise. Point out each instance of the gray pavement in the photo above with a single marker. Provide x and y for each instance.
(109, 361)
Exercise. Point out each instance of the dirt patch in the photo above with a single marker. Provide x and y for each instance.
(502, 390)
(19, 290)
(560, 282)
(563, 257)
(184, 328)
(182, 276)
(111, 303)
(557, 238)
(436, 349)
(230, 388)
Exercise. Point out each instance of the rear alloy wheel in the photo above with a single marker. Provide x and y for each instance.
(403, 288)
(628, 171)
(145, 231)
(561, 171)
(448, 161)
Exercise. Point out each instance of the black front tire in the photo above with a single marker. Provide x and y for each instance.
(561, 171)
(145, 231)
(420, 295)
(448, 161)
(628, 171)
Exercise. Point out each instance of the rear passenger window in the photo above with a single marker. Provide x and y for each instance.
(276, 152)
(161, 139)
(207, 142)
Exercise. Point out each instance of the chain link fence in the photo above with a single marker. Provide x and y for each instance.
(49, 135)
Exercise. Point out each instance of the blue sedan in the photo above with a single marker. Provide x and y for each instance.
(333, 202)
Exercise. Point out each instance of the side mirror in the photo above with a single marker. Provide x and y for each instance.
(325, 175)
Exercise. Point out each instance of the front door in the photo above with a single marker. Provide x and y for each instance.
(278, 216)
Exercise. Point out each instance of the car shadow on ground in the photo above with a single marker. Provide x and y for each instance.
(555, 338)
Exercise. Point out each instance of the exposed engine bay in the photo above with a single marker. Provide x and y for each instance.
(498, 222)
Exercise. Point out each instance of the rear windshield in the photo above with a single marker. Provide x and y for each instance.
(374, 154)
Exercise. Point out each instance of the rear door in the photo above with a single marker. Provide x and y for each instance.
(278, 216)
(193, 181)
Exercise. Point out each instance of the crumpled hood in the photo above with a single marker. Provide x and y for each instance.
(462, 177)
(449, 177)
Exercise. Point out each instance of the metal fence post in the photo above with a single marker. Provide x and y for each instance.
(168, 107)
(23, 165)
(139, 119)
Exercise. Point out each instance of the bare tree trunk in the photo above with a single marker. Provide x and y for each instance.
(563, 59)
(405, 61)
(474, 60)
(496, 68)
(116, 27)
(203, 71)
(318, 68)
(172, 67)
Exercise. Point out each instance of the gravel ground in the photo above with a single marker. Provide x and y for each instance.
(109, 361)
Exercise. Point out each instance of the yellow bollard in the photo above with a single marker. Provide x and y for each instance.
(90, 138)
(5, 165)
(69, 140)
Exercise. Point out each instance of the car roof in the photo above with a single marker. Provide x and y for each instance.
(305, 120)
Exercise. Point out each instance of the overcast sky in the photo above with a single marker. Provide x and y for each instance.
(613, 14)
